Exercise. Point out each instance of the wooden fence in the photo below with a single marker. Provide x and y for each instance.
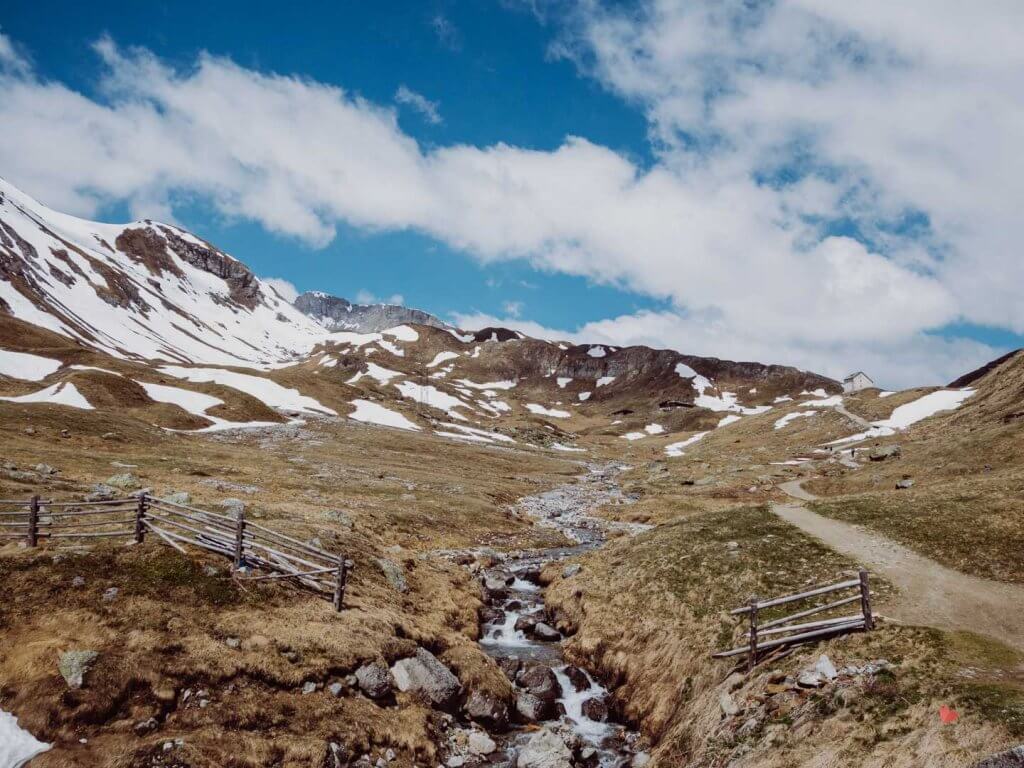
(249, 545)
(805, 631)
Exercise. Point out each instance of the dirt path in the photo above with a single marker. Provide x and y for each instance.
(930, 594)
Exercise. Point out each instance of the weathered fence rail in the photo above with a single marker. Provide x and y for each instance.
(779, 629)
(249, 546)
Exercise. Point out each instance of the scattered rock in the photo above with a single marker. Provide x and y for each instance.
(640, 760)
(728, 706)
(374, 680)
(883, 452)
(78, 581)
(179, 497)
(578, 678)
(488, 709)
(341, 518)
(571, 570)
(308, 688)
(732, 545)
(425, 674)
(906, 482)
(810, 679)
(110, 436)
(30, 430)
(394, 574)
(541, 682)
(510, 666)
(532, 708)
(545, 749)
(101, 492)
(45, 469)
(335, 689)
(232, 642)
(233, 507)
(825, 667)
(126, 481)
(110, 594)
(145, 726)
(546, 632)
(596, 709)
(73, 665)
(480, 743)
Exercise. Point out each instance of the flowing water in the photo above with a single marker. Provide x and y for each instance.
(581, 712)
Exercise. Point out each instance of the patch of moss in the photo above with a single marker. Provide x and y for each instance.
(165, 571)
(1003, 704)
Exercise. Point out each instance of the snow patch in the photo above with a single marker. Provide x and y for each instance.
(597, 352)
(269, 392)
(605, 380)
(442, 357)
(540, 410)
(727, 420)
(21, 365)
(373, 413)
(676, 449)
(17, 746)
(562, 382)
(373, 371)
(780, 423)
(583, 396)
(63, 393)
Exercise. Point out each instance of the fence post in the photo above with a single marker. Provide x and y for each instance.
(865, 601)
(340, 577)
(140, 516)
(239, 538)
(33, 521)
(752, 659)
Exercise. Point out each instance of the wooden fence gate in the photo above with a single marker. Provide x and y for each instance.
(778, 628)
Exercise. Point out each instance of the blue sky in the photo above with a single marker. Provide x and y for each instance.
(803, 184)
(485, 64)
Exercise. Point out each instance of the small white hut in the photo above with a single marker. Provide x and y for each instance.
(855, 382)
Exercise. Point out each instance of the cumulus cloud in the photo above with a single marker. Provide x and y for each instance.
(763, 143)
(285, 289)
(429, 109)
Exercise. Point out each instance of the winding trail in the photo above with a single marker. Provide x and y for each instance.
(930, 594)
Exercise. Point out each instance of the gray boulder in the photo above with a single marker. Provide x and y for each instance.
(533, 709)
(233, 507)
(571, 570)
(546, 632)
(541, 682)
(179, 497)
(101, 492)
(545, 749)
(394, 574)
(126, 481)
(884, 452)
(374, 680)
(423, 673)
(486, 709)
(905, 483)
(73, 665)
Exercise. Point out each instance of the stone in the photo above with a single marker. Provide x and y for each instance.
(906, 482)
(734, 681)
(533, 709)
(233, 507)
(541, 682)
(110, 436)
(640, 760)
(110, 594)
(45, 469)
(578, 678)
(727, 704)
(126, 481)
(884, 452)
(374, 680)
(1011, 758)
(480, 743)
(526, 623)
(488, 709)
(826, 668)
(101, 492)
(340, 517)
(30, 430)
(510, 666)
(545, 749)
(546, 632)
(308, 688)
(810, 679)
(423, 673)
(571, 570)
(232, 642)
(73, 665)
(595, 709)
(78, 581)
(335, 689)
(179, 497)
(145, 726)
(732, 545)
(394, 574)
(455, 761)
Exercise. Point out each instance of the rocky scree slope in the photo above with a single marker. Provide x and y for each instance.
(338, 314)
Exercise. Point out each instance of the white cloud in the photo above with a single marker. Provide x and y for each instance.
(905, 113)
(419, 102)
(447, 33)
(513, 308)
(366, 297)
(287, 290)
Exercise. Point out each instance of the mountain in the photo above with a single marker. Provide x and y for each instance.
(147, 302)
(142, 290)
(338, 314)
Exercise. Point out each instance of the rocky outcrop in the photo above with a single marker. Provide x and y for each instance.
(338, 314)
(545, 749)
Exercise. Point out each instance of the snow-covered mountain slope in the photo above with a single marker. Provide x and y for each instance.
(143, 290)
